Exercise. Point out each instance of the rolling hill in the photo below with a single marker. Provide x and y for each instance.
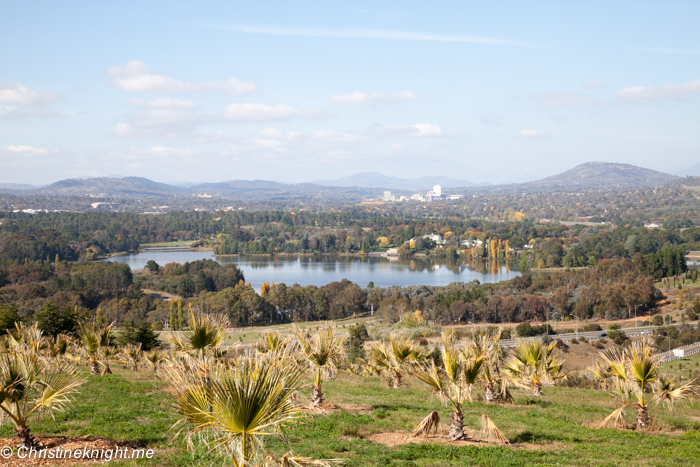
(603, 175)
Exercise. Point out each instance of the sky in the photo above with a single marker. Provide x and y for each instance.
(492, 92)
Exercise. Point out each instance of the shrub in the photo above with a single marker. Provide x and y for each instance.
(614, 327)
(590, 327)
(599, 345)
(658, 320)
(574, 341)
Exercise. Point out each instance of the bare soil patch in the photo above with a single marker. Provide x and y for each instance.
(398, 438)
(54, 443)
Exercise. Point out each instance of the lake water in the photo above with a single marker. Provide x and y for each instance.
(322, 270)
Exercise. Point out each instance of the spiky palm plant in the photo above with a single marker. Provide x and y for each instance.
(462, 369)
(26, 337)
(496, 382)
(397, 358)
(322, 350)
(28, 387)
(134, 354)
(271, 341)
(57, 348)
(94, 337)
(156, 357)
(532, 364)
(205, 333)
(637, 382)
(237, 405)
(108, 353)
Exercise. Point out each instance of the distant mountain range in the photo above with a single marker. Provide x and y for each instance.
(597, 175)
(378, 180)
(693, 171)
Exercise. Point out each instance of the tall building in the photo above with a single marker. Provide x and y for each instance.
(437, 190)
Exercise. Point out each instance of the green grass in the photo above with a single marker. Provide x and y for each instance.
(552, 430)
(691, 367)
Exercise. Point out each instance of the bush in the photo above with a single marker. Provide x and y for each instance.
(561, 345)
(658, 320)
(524, 330)
(574, 341)
(618, 337)
(142, 334)
(614, 327)
(506, 333)
(590, 327)
(599, 345)
(54, 322)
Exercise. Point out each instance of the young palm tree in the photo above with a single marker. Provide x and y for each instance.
(462, 369)
(26, 337)
(271, 341)
(108, 353)
(637, 383)
(322, 350)
(496, 384)
(396, 359)
(205, 334)
(57, 348)
(134, 354)
(239, 405)
(532, 364)
(29, 387)
(93, 337)
(156, 358)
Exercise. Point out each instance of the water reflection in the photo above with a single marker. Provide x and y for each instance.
(320, 270)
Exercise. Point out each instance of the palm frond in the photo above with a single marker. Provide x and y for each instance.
(490, 431)
(428, 424)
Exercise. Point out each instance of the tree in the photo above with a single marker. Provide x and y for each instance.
(53, 322)
(8, 317)
(142, 334)
(93, 337)
(322, 350)
(29, 386)
(396, 359)
(152, 266)
(462, 369)
(533, 364)
(240, 404)
(635, 372)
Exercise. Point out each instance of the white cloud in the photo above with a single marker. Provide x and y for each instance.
(137, 77)
(162, 103)
(27, 150)
(373, 99)
(166, 123)
(267, 113)
(530, 134)
(417, 130)
(643, 94)
(15, 93)
(427, 129)
(360, 34)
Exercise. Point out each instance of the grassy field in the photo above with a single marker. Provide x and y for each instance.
(551, 430)
(687, 367)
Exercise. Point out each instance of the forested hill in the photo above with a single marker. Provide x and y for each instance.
(604, 175)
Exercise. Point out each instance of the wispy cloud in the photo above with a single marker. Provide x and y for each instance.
(268, 113)
(349, 33)
(645, 94)
(417, 130)
(15, 93)
(374, 98)
(27, 150)
(138, 77)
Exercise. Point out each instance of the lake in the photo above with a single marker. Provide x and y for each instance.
(321, 270)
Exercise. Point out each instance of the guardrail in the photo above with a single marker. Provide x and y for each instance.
(670, 356)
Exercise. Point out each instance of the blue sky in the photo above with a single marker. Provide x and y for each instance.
(297, 91)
